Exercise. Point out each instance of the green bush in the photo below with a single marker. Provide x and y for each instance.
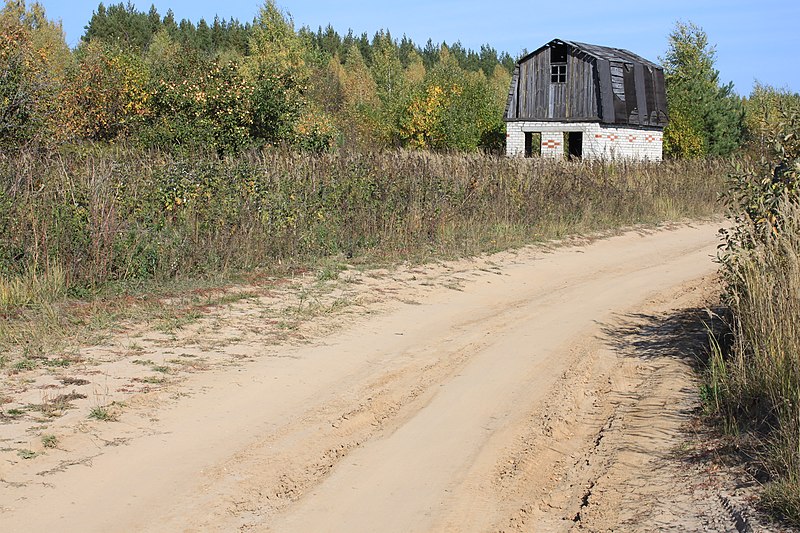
(207, 112)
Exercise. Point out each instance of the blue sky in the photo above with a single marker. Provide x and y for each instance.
(755, 40)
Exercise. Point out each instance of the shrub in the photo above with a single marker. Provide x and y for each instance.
(107, 93)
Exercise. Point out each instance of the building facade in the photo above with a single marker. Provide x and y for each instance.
(586, 101)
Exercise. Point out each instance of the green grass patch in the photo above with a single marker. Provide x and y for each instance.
(102, 413)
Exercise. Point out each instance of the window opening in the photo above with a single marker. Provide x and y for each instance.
(558, 73)
(558, 63)
(558, 53)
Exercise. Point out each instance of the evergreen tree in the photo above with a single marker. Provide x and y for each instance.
(121, 25)
(705, 116)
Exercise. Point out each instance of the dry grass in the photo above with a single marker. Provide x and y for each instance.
(111, 215)
(33, 287)
(756, 382)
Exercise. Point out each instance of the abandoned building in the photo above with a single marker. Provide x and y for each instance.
(586, 101)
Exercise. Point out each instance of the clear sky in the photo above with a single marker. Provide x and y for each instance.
(755, 39)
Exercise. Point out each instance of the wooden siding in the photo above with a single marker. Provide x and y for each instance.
(533, 96)
(603, 84)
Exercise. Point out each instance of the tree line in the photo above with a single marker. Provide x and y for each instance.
(223, 86)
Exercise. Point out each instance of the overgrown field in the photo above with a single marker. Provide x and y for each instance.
(79, 220)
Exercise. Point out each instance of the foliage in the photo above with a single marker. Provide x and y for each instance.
(453, 109)
(121, 25)
(226, 86)
(759, 187)
(107, 94)
(124, 27)
(705, 116)
(756, 382)
(278, 71)
(33, 60)
(423, 124)
(208, 111)
(772, 114)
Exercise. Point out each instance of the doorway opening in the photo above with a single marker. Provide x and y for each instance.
(573, 144)
(533, 144)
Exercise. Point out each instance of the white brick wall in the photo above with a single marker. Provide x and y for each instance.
(600, 141)
(552, 144)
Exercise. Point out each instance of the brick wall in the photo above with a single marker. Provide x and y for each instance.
(600, 141)
(552, 144)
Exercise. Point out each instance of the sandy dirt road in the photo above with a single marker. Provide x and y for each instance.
(541, 390)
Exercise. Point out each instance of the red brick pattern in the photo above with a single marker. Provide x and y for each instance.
(550, 143)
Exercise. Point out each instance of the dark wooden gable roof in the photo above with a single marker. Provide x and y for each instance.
(603, 84)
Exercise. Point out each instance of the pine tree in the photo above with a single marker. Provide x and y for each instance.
(705, 116)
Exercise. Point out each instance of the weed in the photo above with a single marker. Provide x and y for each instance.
(24, 364)
(384, 205)
(27, 454)
(176, 321)
(153, 380)
(164, 369)
(103, 413)
(49, 441)
(33, 287)
(60, 362)
(74, 381)
(754, 380)
(15, 412)
(327, 274)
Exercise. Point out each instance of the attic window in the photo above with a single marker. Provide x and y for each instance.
(558, 53)
(558, 73)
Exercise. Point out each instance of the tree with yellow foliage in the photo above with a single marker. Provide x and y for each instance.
(34, 59)
(107, 94)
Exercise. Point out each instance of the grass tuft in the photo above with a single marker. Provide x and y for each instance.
(32, 287)
(103, 413)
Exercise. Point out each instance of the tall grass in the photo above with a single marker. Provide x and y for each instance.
(34, 287)
(756, 385)
(104, 214)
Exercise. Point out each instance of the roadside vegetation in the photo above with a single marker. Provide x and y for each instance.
(76, 222)
(754, 372)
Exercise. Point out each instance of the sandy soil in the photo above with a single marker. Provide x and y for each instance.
(547, 389)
